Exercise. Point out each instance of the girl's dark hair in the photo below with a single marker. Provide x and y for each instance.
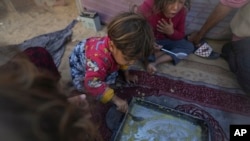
(131, 33)
(159, 4)
(34, 107)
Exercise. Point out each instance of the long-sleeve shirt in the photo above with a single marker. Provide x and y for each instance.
(178, 24)
(99, 64)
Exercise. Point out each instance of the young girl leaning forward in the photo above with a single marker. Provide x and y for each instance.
(168, 23)
(95, 61)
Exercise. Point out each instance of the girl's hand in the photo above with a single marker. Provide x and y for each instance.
(130, 78)
(165, 27)
(121, 104)
(157, 46)
(151, 69)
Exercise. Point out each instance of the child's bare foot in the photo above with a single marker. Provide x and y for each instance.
(151, 68)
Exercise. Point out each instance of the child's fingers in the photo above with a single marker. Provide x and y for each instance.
(170, 21)
(135, 79)
(123, 108)
(151, 68)
(157, 46)
(164, 22)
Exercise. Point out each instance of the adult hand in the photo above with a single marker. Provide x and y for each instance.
(165, 27)
(121, 104)
(195, 38)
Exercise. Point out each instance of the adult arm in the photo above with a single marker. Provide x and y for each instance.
(219, 13)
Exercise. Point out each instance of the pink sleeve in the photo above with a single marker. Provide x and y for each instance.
(234, 3)
(96, 68)
(146, 8)
(94, 81)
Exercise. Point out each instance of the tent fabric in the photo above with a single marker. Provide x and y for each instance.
(200, 10)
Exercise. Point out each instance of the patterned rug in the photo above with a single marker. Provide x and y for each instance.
(217, 106)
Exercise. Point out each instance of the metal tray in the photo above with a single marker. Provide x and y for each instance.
(160, 124)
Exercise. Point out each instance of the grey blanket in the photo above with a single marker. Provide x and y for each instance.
(53, 42)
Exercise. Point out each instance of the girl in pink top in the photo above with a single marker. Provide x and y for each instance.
(95, 61)
(168, 22)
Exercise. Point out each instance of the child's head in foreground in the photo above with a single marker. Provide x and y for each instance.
(34, 108)
(131, 38)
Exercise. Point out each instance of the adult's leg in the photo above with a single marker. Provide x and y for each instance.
(237, 55)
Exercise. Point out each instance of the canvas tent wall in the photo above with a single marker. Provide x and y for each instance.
(200, 10)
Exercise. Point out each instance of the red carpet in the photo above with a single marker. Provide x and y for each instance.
(205, 102)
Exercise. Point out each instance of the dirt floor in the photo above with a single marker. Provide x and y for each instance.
(29, 20)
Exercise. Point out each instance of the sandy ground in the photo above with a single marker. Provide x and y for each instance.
(30, 20)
